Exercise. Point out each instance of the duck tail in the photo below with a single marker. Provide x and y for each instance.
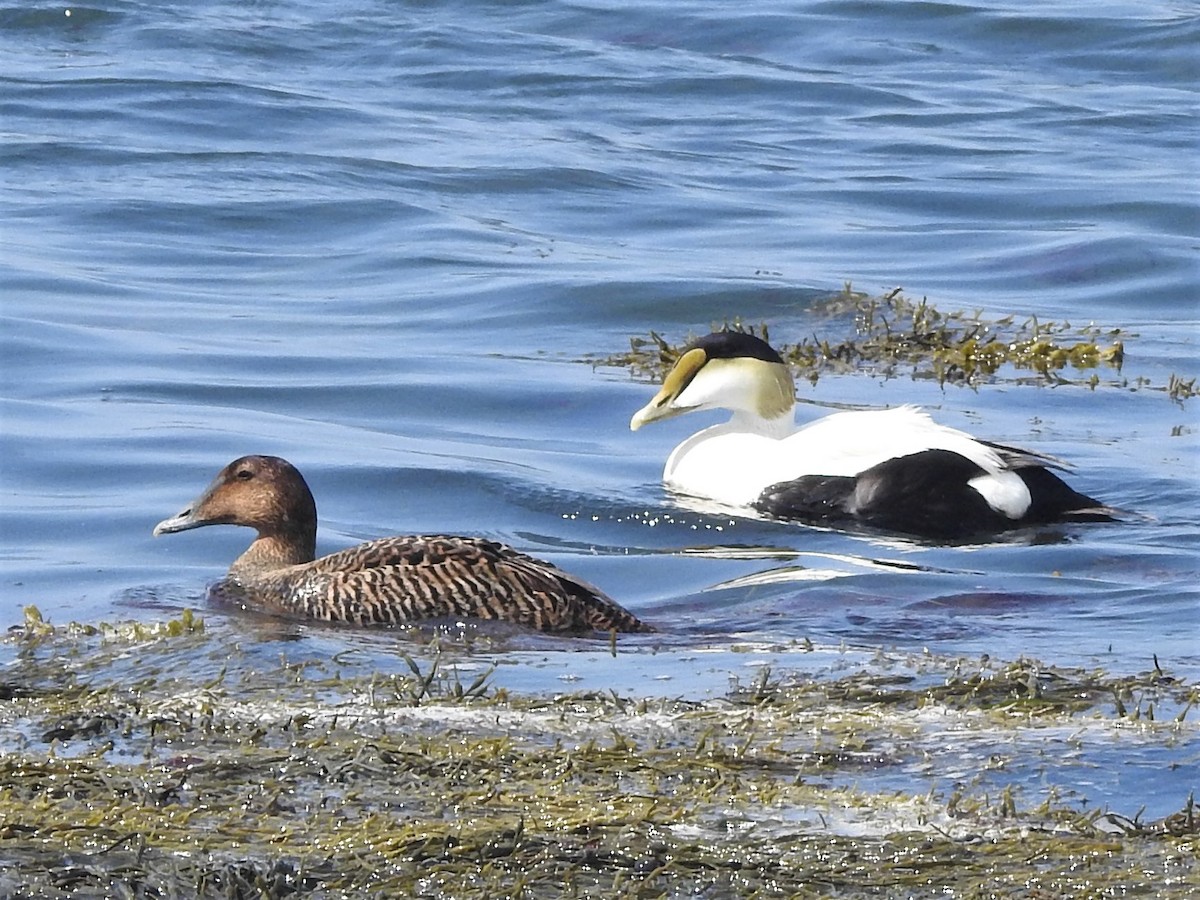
(603, 614)
(594, 610)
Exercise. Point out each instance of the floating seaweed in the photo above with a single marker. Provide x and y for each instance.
(892, 335)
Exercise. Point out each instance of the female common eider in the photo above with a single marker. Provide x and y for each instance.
(895, 469)
(385, 582)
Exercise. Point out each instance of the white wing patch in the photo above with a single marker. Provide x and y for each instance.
(1005, 492)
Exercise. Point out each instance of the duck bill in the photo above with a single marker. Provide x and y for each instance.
(183, 521)
(196, 515)
(663, 405)
(656, 410)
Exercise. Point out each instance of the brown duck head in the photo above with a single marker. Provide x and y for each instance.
(265, 493)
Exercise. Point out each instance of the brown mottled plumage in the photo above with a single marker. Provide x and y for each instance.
(384, 582)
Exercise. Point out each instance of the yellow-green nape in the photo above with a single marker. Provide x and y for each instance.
(776, 394)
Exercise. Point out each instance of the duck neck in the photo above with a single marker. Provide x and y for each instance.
(779, 427)
(275, 550)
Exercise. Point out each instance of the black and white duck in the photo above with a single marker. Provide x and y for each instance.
(894, 469)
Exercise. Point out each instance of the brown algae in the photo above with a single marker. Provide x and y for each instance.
(165, 760)
(892, 335)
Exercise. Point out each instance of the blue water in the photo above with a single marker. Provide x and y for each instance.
(384, 239)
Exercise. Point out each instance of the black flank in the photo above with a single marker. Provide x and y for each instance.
(925, 494)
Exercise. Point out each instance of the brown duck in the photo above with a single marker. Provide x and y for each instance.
(390, 581)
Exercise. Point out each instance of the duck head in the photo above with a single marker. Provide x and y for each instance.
(724, 370)
(262, 492)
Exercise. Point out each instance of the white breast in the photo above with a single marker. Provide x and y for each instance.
(728, 466)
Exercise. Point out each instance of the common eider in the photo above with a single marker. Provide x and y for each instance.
(389, 581)
(895, 470)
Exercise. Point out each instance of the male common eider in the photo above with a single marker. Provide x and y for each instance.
(385, 582)
(895, 469)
